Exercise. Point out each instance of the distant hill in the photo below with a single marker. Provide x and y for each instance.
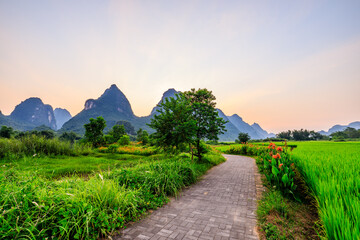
(244, 127)
(338, 128)
(113, 106)
(34, 112)
(261, 132)
(167, 94)
(61, 117)
(232, 131)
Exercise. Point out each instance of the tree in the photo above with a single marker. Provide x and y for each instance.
(6, 132)
(48, 134)
(94, 131)
(243, 138)
(315, 135)
(174, 123)
(284, 134)
(142, 136)
(188, 118)
(124, 140)
(69, 136)
(129, 128)
(208, 124)
(117, 132)
(352, 132)
(301, 135)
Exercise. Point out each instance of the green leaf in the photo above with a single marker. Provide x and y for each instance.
(285, 179)
(274, 170)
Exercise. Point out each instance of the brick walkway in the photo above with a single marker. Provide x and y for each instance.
(221, 206)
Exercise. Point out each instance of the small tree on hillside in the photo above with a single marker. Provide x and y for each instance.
(242, 138)
(94, 131)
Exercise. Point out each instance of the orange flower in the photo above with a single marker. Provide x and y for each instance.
(279, 149)
(276, 156)
(269, 161)
(281, 165)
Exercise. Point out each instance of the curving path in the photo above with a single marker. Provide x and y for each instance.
(220, 206)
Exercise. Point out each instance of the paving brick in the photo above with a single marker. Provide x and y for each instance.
(220, 206)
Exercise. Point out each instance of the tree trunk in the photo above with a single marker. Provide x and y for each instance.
(198, 150)
(192, 152)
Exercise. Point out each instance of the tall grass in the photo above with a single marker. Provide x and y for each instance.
(35, 207)
(35, 145)
(332, 170)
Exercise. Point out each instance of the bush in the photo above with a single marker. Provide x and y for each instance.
(124, 140)
(35, 208)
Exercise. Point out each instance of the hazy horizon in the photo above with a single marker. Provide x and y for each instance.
(285, 65)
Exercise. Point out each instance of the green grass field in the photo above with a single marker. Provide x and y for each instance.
(332, 170)
(89, 196)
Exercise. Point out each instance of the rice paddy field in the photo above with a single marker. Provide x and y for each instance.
(332, 171)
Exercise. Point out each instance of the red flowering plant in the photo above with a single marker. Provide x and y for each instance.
(278, 167)
(274, 161)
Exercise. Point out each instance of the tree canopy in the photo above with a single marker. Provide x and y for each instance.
(94, 130)
(243, 138)
(174, 124)
(187, 118)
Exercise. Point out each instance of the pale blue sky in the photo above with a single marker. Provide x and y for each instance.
(283, 64)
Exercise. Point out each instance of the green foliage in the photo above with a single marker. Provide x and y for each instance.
(331, 170)
(274, 161)
(142, 136)
(208, 123)
(94, 131)
(278, 168)
(129, 149)
(243, 138)
(35, 207)
(129, 128)
(30, 145)
(174, 124)
(124, 140)
(69, 136)
(300, 135)
(117, 132)
(186, 120)
(6, 132)
(272, 202)
(48, 134)
(348, 133)
(284, 135)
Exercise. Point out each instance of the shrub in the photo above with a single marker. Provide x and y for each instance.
(124, 140)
